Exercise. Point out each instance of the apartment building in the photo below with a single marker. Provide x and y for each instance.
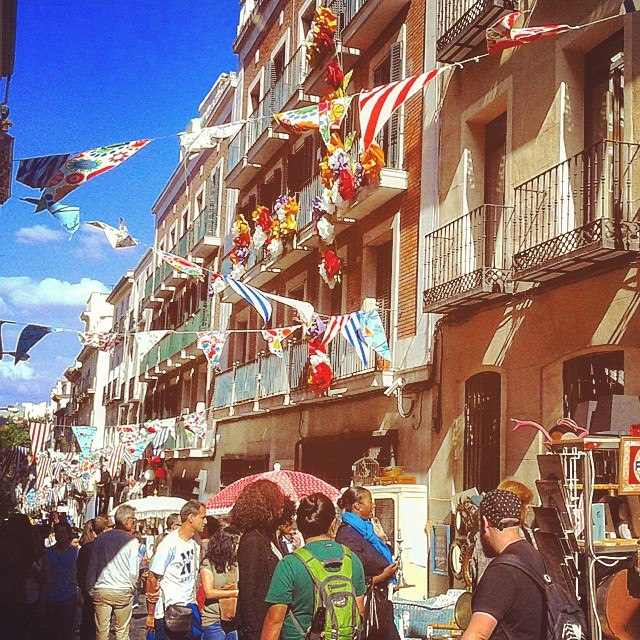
(533, 264)
(88, 374)
(264, 410)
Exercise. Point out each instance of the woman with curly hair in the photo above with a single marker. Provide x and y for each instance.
(219, 577)
(256, 513)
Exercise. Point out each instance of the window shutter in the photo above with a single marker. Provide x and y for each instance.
(270, 83)
(214, 199)
(394, 123)
(307, 160)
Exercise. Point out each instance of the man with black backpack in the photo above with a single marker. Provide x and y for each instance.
(319, 588)
(516, 599)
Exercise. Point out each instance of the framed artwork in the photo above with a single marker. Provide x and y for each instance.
(440, 543)
(629, 465)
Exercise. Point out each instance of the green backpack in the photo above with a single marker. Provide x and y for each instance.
(333, 590)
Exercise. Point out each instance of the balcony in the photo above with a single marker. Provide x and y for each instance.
(462, 25)
(239, 170)
(263, 139)
(580, 213)
(150, 301)
(314, 82)
(205, 234)
(174, 344)
(288, 91)
(469, 260)
(362, 21)
(269, 380)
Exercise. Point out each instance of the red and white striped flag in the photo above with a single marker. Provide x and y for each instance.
(39, 433)
(378, 104)
(502, 35)
(115, 460)
(44, 467)
(333, 327)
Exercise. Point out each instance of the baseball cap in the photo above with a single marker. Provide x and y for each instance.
(501, 508)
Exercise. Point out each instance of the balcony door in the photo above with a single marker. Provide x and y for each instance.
(495, 160)
(604, 120)
(482, 431)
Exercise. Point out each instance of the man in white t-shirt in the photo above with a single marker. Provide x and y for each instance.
(174, 571)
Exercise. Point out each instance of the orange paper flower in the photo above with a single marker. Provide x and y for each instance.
(372, 161)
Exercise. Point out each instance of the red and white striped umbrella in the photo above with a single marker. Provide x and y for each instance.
(294, 484)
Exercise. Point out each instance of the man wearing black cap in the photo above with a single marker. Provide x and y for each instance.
(507, 604)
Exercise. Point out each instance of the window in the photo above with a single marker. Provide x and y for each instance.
(591, 377)
(482, 431)
(200, 203)
(185, 221)
(278, 65)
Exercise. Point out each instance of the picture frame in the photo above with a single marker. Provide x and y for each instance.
(629, 466)
(440, 535)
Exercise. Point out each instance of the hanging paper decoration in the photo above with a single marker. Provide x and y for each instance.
(286, 210)
(161, 430)
(146, 340)
(316, 327)
(351, 332)
(320, 37)
(297, 121)
(320, 372)
(66, 215)
(100, 341)
(502, 35)
(331, 114)
(266, 230)
(378, 104)
(372, 162)
(115, 460)
(338, 175)
(84, 166)
(274, 338)
(85, 437)
(241, 240)
(334, 77)
(118, 238)
(135, 441)
(330, 268)
(207, 137)
(197, 424)
(181, 265)
(374, 334)
(254, 297)
(29, 337)
(217, 284)
(39, 433)
(629, 6)
(212, 344)
(37, 172)
(326, 230)
(304, 310)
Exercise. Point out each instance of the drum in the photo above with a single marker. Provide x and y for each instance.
(619, 612)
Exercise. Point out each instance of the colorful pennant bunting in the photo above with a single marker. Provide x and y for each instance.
(182, 265)
(351, 332)
(330, 116)
(100, 341)
(502, 35)
(333, 327)
(84, 166)
(39, 432)
(254, 297)
(37, 172)
(274, 338)
(67, 215)
(118, 238)
(29, 337)
(197, 424)
(300, 120)
(212, 343)
(304, 310)
(206, 138)
(146, 340)
(85, 437)
(2, 351)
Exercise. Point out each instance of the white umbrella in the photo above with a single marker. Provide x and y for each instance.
(154, 506)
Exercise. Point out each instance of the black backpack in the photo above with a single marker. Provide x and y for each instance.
(565, 618)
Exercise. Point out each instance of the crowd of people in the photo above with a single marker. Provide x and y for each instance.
(266, 571)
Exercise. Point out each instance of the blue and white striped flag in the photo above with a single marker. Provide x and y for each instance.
(353, 335)
(254, 297)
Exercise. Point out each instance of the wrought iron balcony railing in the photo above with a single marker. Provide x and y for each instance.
(462, 25)
(268, 376)
(582, 210)
(469, 259)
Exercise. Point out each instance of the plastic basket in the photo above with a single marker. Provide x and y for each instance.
(414, 617)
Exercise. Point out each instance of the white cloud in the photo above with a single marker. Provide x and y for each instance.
(38, 234)
(26, 293)
(91, 243)
(21, 371)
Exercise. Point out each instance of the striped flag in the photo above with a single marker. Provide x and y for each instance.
(20, 457)
(5, 463)
(378, 104)
(502, 35)
(160, 439)
(44, 467)
(39, 433)
(333, 327)
(351, 332)
(115, 460)
(254, 297)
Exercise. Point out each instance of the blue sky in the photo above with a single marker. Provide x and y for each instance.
(88, 74)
